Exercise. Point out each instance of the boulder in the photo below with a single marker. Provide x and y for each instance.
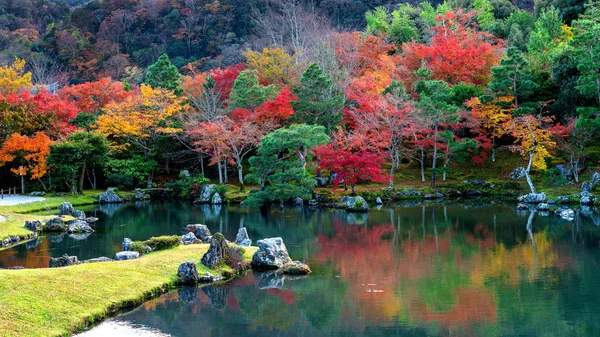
(126, 256)
(200, 230)
(567, 214)
(218, 252)
(99, 260)
(409, 193)
(184, 174)
(55, 225)
(207, 193)
(63, 261)
(187, 273)
(543, 207)
(296, 268)
(34, 225)
(127, 244)
(216, 199)
(434, 195)
(587, 198)
(271, 254)
(140, 195)
(110, 197)
(354, 204)
(189, 239)
(66, 208)
(242, 238)
(299, 202)
(208, 277)
(563, 199)
(79, 226)
(378, 201)
(37, 194)
(78, 214)
(533, 198)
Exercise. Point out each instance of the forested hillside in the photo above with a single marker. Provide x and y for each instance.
(274, 92)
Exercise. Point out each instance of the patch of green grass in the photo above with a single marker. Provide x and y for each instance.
(58, 302)
(52, 202)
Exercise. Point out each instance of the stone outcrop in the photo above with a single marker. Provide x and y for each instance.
(79, 226)
(587, 198)
(242, 238)
(543, 206)
(187, 273)
(66, 208)
(34, 225)
(127, 256)
(533, 198)
(189, 239)
(216, 199)
(110, 197)
(218, 252)
(271, 254)
(207, 193)
(354, 204)
(201, 231)
(296, 268)
(63, 261)
(99, 260)
(378, 201)
(55, 225)
(127, 244)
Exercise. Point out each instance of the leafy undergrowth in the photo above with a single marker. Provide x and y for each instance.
(58, 302)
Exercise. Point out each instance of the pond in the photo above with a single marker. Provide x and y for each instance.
(412, 270)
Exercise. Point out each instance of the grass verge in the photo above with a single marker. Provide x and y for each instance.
(59, 302)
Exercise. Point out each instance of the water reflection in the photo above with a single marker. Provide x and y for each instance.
(472, 270)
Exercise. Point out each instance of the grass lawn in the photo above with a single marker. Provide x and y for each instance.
(58, 302)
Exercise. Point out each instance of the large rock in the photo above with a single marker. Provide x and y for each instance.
(126, 256)
(99, 260)
(242, 238)
(63, 261)
(378, 201)
(187, 273)
(201, 231)
(127, 244)
(34, 225)
(207, 193)
(567, 214)
(216, 199)
(299, 202)
(55, 225)
(209, 277)
(587, 198)
(110, 197)
(543, 206)
(66, 208)
(354, 204)
(533, 198)
(271, 254)
(78, 214)
(296, 268)
(79, 226)
(189, 239)
(218, 252)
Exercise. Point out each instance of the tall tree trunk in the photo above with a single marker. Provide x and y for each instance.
(202, 164)
(527, 176)
(81, 176)
(493, 149)
(225, 171)
(241, 176)
(433, 164)
(220, 172)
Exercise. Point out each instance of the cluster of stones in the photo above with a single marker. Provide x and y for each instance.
(81, 223)
(209, 195)
(110, 197)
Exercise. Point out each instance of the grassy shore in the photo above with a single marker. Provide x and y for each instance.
(58, 302)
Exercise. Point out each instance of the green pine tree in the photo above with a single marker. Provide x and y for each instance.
(163, 74)
(513, 76)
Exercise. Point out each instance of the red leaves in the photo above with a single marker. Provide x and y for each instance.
(34, 151)
(224, 79)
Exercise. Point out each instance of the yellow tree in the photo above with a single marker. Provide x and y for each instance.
(490, 116)
(532, 140)
(13, 77)
(274, 66)
(140, 119)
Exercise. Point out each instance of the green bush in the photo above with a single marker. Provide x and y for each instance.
(188, 187)
(163, 242)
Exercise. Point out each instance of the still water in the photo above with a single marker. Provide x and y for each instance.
(416, 270)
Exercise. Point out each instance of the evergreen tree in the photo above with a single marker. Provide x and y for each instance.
(513, 76)
(319, 100)
(163, 74)
(248, 93)
(587, 47)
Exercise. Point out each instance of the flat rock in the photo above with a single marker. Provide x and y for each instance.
(63, 261)
(189, 239)
(126, 256)
(99, 260)
(296, 268)
(79, 226)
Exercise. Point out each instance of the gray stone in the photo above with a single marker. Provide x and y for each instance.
(91, 219)
(79, 226)
(216, 199)
(209, 277)
(242, 238)
(299, 201)
(110, 197)
(34, 225)
(563, 199)
(567, 214)
(313, 202)
(271, 254)
(189, 239)
(521, 206)
(217, 253)
(66, 208)
(207, 193)
(354, 204)
(434, 195)
(533, 198)
(200, 230)
(63, 261)
(207, 239)
(78, 214)
(126, 256)
(543, 207)
(187, 273)
(184, 174)
(55, 225)
(518, 173)
(140, 195)
(378, 201)
(127, 244)
(99, 260)
(296, 268)
(409, 193)
(587, 198)
(37, 194)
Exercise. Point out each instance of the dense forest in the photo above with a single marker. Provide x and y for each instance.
(273, 92)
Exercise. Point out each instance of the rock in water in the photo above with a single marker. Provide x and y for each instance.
(299, 201)
(533, 198)
(563, 199)
(127, 244)
(207, 193)
(543, 206)
(126, 256)
(34, 225)
(189, 239)
(354, 204)
(63, 261)
(55, 225)
(378, 201)
(187, 273)
(587, 199)
(567, 214)
(242, 238)
(216, 199)
(271, 254)
(217, 253)
(66, 208)
(296, 268)
(78, 214)
(110, 197)
(79, 226)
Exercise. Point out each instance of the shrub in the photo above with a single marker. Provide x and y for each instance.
(188, 187)
(163, 242)
(236, 258)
